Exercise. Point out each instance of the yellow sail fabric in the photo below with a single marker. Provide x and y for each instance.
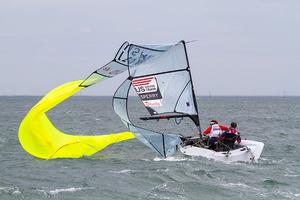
(40, 138)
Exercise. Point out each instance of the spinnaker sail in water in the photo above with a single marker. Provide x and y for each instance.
(40, 138)
(162, 79)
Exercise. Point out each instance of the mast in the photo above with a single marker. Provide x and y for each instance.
(197, 120)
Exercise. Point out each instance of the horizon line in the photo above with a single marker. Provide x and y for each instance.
(209, 96)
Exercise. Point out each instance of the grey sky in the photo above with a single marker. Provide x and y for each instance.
(243, 48)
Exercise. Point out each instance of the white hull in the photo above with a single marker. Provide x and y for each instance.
(249, 153)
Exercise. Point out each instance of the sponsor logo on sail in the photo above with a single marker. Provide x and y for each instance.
(148, 91)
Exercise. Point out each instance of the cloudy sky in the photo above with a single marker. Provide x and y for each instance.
(243, 47)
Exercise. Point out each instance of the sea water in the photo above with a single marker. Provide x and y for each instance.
(130, 170)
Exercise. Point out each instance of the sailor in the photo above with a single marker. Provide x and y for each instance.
(213, 132)
(228, 138)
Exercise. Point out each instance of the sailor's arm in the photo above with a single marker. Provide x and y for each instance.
(207, 131)
(223, 128)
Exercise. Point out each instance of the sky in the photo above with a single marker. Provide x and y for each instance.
(243, 47)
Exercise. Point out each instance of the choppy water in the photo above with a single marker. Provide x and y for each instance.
(129, 170)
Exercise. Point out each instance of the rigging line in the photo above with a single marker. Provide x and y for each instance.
(190, 41)
(225, 145)
(200, 143)
(165, 72)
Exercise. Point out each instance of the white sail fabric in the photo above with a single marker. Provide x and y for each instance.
(120, 101)
(126, 55)
(170, 89)
(170, 59)
(185, 103)
(162, 143)
(161, 77)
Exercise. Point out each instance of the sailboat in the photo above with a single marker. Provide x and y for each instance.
(161, 77)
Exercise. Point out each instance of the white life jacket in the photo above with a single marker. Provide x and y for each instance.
(215, 131)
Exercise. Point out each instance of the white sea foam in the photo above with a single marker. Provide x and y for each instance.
(289, 195)
(145, 159)
(171, 159)
(233, 185)
(271, 161)
(71, 189)
(11, 190)
(163, 170)
(16, 192)
(281, 194)
(289, 173)
(240, 186)
(124, 171)
(162, 186)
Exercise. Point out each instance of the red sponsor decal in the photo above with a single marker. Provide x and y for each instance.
(152, 103)
(142, 81)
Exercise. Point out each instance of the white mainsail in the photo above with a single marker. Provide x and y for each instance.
(161, 77)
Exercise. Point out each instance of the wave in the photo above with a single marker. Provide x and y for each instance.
(2, 140)
(172, 159)
(272, 183)
(289, 195)
(124, 171)
(71, 190)
(10, 190)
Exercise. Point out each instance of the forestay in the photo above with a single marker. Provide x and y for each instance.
(161, 77)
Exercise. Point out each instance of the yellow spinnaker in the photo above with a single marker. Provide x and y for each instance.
(40, 138)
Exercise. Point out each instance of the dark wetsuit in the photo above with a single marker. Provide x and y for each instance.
(228, 138)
